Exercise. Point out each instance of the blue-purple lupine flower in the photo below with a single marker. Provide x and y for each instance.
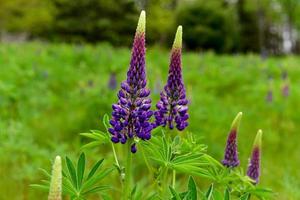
(130, 116)
(231, 153)
(254, 164)
(172, 107)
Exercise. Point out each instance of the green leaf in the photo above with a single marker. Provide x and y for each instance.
(209, 192)
(227, 194)
(94, 169)
(41, 187)
(80, 169)
(192, 189)
(91, 144)
(96, 189)
(96, 178)
(72, 171)
(106, 121)
(245, 196)
(174, 193)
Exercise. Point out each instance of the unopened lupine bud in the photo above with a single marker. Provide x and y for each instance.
(254, 163)
(130, 116)
(172, 107)
(56, 180)
(231, 153)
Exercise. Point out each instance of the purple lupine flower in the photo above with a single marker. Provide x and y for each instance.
(231, 153)
(130, 116)
(172, 106)
(254, 164)
(112, 83)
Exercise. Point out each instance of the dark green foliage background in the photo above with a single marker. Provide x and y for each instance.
(219, 25)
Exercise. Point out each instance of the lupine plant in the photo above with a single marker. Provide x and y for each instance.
(172, 162)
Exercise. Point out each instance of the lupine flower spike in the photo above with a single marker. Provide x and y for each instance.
(231, 153)
(130, 116)
(254, 164)
(172, 107)
(56, 181)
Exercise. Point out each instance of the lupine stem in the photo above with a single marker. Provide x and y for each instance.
(147, 163)
(115, 155)
(128, 170)
(174, 179)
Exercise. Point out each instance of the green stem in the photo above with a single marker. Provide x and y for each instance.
(164, 183)
(115, 155)
(174, 179)
(147, 163)
(128, 171)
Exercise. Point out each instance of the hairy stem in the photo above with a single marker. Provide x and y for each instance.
(147, 163)
(128, 174)
(174, 179)
(115, 155)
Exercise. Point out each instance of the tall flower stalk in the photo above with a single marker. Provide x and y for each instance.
(131, 114)
(254, 163)
(172, 107)
(231, 153)
(56, 180)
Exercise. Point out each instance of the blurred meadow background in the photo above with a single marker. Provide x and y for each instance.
(62, 62)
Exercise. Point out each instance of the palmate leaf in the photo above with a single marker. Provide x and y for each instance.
(75, 183)
(159, 150)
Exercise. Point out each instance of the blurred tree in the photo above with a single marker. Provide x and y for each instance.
(95, 20)
(31, 16)
(291, 11)
(208, 25)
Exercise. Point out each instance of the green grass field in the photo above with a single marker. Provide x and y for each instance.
(50, 93)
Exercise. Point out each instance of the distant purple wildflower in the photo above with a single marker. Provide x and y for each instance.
(130, 116)
(172, 106)
(254, 164)
(269, 97)
(285, 90)
(112, 83)
(231, 153)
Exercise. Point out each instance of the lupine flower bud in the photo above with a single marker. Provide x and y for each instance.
(231, 153)
(254, 164)
(172, 107)
(56, 181)
(130, 116)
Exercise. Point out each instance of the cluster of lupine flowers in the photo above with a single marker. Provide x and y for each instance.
(231, 159)
(131, 116)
